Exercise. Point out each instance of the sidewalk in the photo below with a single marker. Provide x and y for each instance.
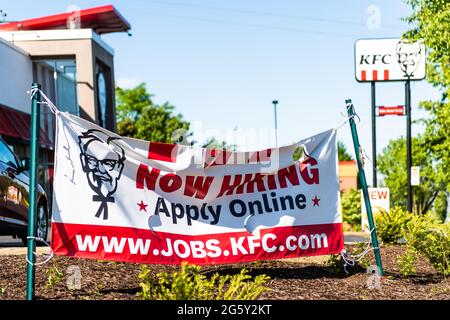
(21, 251)
(14, 247)
(355, 237)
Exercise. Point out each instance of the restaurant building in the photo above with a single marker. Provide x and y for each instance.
(348, 175)
(75, 67)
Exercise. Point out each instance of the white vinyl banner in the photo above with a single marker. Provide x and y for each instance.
(123, 199)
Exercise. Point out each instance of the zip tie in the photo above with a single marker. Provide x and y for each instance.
(361, 155)
(370, 160)
(348, 261)
(32, 92)
(347, 119)
(47, 101)
(50, 256)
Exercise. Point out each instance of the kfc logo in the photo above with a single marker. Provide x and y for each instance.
(389, 60)
(102, 159)
(409, 56)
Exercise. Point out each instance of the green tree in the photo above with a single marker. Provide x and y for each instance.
(139, 117)
(343, 155)
(392, 164)
(213, 143)
(351, 209)
(430, 23)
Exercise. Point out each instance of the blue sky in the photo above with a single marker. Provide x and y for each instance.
(221, 63)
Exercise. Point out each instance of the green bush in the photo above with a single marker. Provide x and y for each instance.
(190, 284)
(54, 276)
(426, 235)
(440, 206)
(389, 225)
(405, 263)
(336, 263)
(351, 209)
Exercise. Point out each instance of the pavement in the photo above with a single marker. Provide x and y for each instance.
(6, 242)
(14, 247)
(356, 237)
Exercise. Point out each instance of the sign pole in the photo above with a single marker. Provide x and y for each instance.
(408, 142)
(34, 158)
(374, 137)
(362, 179)
(275, 102)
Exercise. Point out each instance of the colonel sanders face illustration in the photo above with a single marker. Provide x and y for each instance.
(409, 56)
(102, 159)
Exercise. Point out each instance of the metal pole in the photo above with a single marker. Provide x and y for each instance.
(34, 158)
(275, 102)
(363, 182)
(374, 137)
(408, 143)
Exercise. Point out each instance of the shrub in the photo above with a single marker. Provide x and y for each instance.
(426, 235)
(351, 209)
(336, 263)
(389, 225)
(190, 284)
(440, 206)
(406, 261)
(54, 276)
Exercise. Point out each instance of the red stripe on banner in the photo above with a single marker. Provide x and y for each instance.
(162, 151)
(386, 74)
(363, 75)
(374, 75)
(144, 246)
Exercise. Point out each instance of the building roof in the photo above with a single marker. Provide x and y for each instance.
(103, 19)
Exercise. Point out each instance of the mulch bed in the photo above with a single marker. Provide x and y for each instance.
(290, 279)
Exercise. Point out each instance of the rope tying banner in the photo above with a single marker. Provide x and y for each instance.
(47, 102)
(351, 260)
(347, 119)
(50, 256)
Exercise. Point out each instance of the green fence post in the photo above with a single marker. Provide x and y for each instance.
(34, 158)
(362, 179)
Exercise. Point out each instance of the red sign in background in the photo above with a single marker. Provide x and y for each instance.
(390, 111)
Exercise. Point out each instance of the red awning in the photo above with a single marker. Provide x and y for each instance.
(104, 19)
(16, 124)
(6, 127)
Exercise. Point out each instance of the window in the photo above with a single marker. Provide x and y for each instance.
(102, 98)
(6, 156)
(58, 80)
(103, 92)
